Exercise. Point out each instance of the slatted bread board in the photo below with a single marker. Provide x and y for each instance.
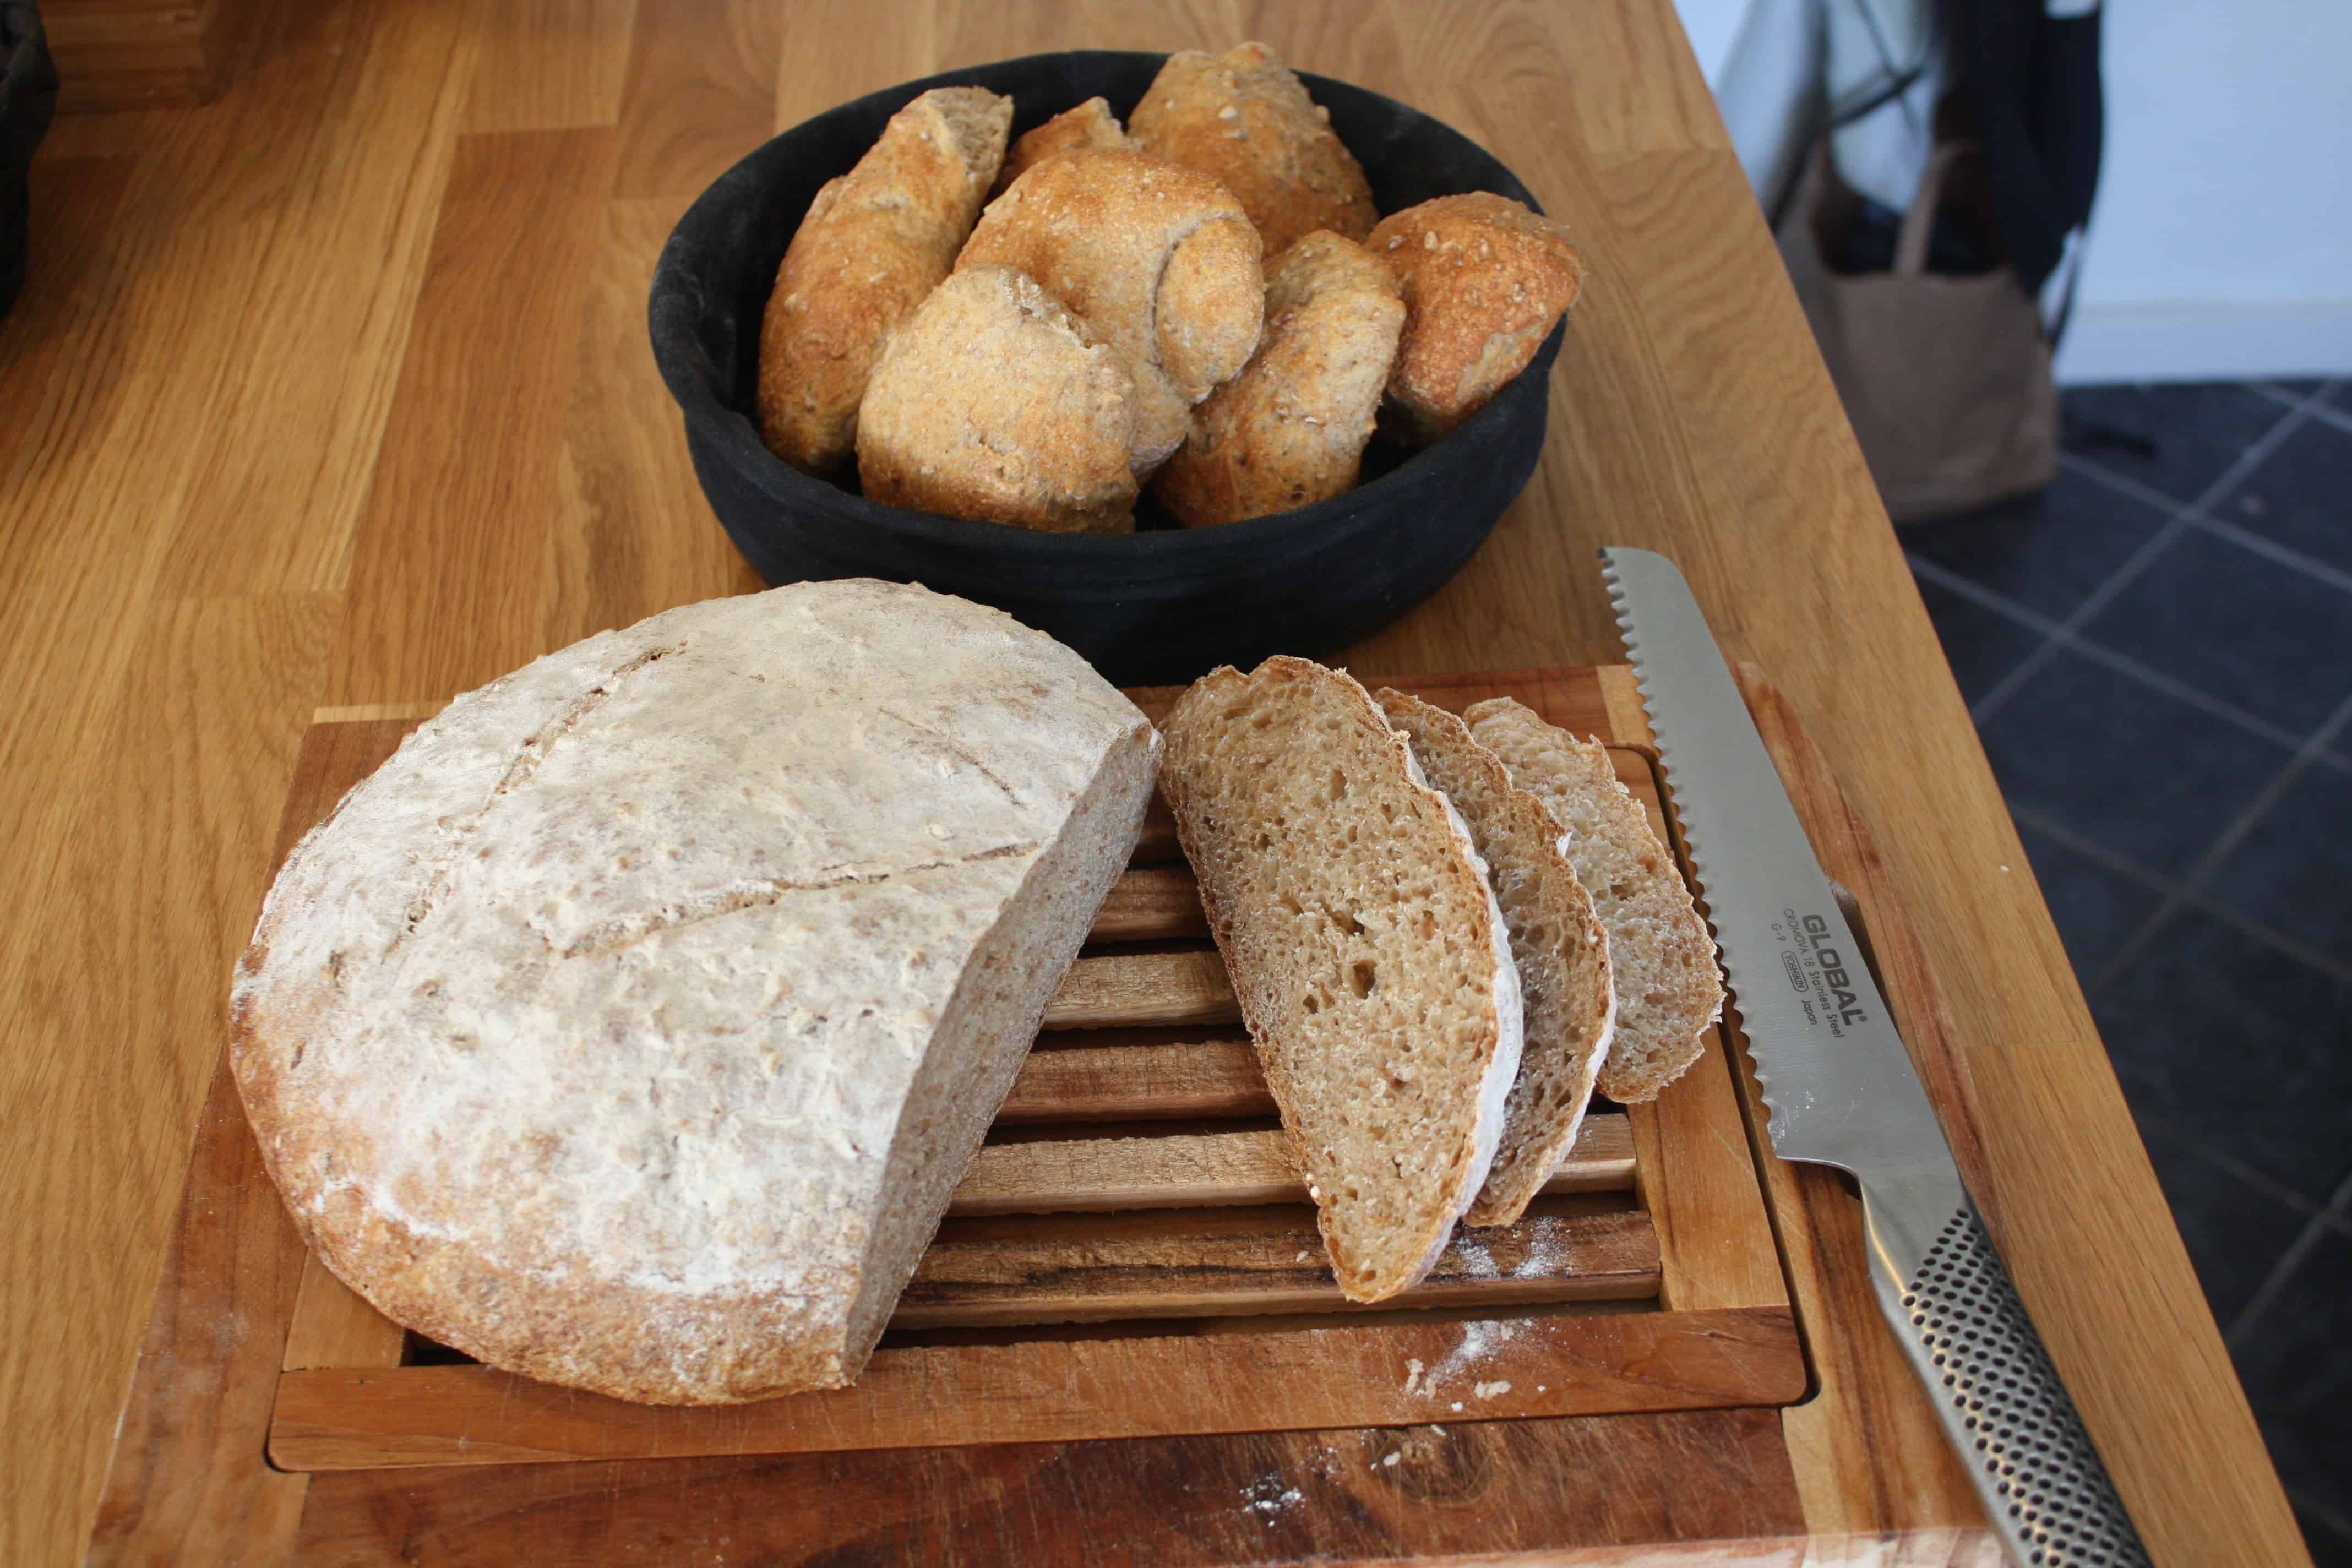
(1662, 1405)
(1134, 1252)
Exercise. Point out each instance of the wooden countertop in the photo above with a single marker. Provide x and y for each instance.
(336, 392)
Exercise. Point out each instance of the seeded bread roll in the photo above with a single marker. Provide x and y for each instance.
(630, 1027)
(1090, 124)
(1244, 119)
(1291, 428)
(993, 402)
(873, 244)
(1661, 958)
(1158, 259)
(1366, 949)
(1484, 282)
(1557, 942)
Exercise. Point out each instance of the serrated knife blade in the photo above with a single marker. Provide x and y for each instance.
(1842, 1091)
(1834, 1072)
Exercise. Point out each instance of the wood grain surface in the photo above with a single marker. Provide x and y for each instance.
(945, 1395)
(1259, 1261)
(1068, 1175)
(142, 53)
(1468, 1493)
(336, 391)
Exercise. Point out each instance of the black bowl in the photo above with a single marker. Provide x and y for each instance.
(1161, 604)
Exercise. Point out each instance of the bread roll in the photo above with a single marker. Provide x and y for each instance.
(1661, 957)
(994, 402)
(1090, 124)
(1243, 118)
(1483, 280)
(1160, 260)
(1366, 949)
(1290, 429)
(873, 244)
(630, 1027)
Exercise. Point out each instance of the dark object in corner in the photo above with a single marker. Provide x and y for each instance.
(2029, 94)
(28, 95)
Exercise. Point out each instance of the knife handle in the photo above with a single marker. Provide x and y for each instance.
(1958, 1318)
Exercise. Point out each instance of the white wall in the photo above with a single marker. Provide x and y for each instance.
(2222, 242)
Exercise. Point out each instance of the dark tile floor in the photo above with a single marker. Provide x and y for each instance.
(2157, 651)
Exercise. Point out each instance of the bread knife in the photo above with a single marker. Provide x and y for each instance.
(1841, 1091)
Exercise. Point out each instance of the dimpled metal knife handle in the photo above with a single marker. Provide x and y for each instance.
(1959, 1320)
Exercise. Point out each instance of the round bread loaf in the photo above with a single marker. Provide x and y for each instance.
(631, 1026)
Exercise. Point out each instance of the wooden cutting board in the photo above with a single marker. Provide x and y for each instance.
(1131, 1257)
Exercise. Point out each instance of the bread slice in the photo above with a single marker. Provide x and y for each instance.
(631, 1026)
(1367, 951)
(1661, 958)
(1557, 942)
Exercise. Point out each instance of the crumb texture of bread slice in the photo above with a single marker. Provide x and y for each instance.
(1290, 429)
(1090, 124)
(995, 403)
(872, 244)
(1483, 280)
(1160, 260)
(1244, 119)
(630, 1027)
(1366, 948)
(1661, 958)
(1556, 944)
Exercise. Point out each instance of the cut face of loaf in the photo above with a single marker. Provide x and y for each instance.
(630, 1027)
(1660, 955)
(1367, 953)
(1557, 942)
